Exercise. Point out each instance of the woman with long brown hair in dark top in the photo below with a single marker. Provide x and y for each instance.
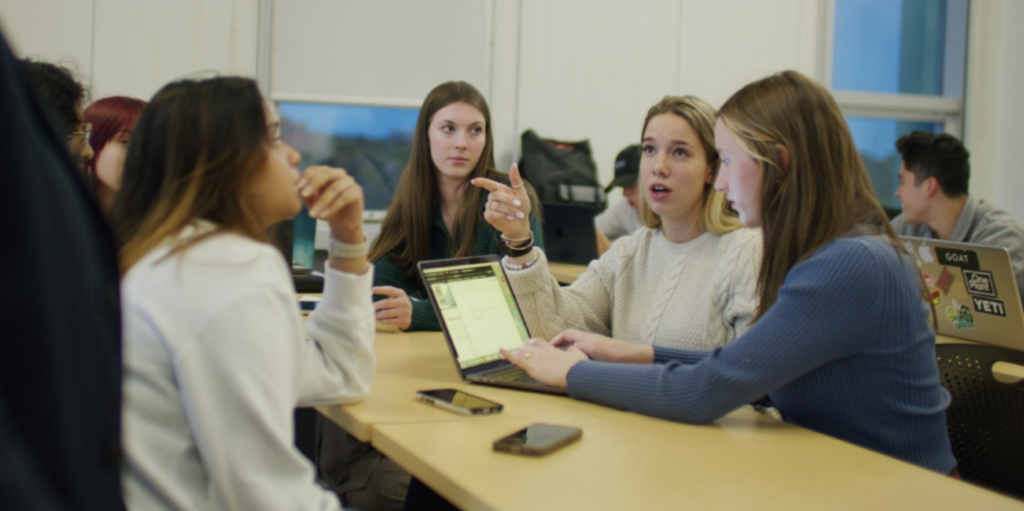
(436, 213)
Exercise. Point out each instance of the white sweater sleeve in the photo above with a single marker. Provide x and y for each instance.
(338, 360)
(238, 383)
(735, 300)
(550, 308)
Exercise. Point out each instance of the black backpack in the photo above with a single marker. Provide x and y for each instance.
(561, 172)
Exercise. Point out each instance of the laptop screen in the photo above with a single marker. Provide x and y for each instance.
(478, 310)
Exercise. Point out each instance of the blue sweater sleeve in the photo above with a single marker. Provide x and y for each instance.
(816, 319)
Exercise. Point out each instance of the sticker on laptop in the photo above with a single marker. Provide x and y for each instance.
(980, 283)
(966, 259)
(989, 306)
(960, 316)
(945, 280)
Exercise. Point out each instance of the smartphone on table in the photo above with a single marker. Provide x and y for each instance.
(458, 401)
(538, 439)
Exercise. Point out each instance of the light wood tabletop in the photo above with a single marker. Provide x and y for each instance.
(566, 273)
(624, 460)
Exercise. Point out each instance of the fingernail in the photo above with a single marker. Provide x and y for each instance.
(516, 202)
(305, 192)
(509, 217)
(520, 214)
(314, 212)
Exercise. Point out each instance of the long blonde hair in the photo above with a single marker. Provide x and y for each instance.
(194, 148)
(824, 192)
(716, 217)
(407, 225)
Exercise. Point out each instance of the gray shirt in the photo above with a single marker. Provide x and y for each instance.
(620, 219)
(983, 224)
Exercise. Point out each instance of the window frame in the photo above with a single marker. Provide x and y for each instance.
(949, 111)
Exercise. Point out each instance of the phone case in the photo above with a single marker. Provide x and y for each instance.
(440, 403)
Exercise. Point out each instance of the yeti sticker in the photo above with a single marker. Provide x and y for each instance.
(980, 283)
(987, 306)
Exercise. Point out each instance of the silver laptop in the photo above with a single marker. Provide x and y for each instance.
(973, 290)
(479, 314)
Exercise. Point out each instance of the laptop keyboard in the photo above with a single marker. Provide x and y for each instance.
(510, 373)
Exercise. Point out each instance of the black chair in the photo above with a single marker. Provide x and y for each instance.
(986, 417)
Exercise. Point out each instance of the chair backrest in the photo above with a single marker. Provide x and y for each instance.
(986, 417)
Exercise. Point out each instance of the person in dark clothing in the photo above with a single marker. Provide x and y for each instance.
(60, 350)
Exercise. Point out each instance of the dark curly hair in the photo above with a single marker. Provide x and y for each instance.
(55, 85)
(940, 156)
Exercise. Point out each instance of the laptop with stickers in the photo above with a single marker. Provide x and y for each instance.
(973, 289)
(479, 314)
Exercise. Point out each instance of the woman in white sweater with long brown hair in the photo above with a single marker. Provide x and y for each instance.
(688, 279)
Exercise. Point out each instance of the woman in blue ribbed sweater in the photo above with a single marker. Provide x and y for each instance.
(842, 342)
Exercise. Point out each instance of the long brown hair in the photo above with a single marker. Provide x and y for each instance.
(824, 193)
(406, 226)
(716, 217)
(194, 148)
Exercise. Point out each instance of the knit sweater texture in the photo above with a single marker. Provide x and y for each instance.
(647, 290)
(388, 273)
(847, 350)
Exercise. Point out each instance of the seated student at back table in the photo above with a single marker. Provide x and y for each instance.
(842, 344)
(214, 352)
(58, 88)
(686, 280)
(934, 177)
(112, 120)
(435, 214)
(621, 218)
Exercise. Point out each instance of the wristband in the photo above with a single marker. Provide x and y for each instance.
(344, 250)
(517, 249)
(518, 267)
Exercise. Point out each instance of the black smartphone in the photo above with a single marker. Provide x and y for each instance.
(538, 439)
(458, 401)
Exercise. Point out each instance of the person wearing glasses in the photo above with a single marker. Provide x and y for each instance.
(56, 86)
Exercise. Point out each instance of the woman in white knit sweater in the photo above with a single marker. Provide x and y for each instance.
(686, 280)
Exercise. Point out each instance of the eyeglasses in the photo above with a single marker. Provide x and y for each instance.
(85, 131)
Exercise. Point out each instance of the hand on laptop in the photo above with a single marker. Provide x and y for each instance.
(605, 349)
(508, 207)
(544, 362)
(396, 309)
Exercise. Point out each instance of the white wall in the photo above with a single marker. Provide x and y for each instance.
(570, 69)
(134, 47)
(994, 122)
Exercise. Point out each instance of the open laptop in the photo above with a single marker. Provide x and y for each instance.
(479, 314)
(973, 289)
(569, 235)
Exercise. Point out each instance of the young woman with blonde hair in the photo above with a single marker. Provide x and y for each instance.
(215, 358)
(435, 213)
(686, 280)
(842, 343)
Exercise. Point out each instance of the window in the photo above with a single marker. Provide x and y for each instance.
(897, 66)
(371, 142)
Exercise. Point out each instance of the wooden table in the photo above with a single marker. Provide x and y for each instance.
(566, 273)
(624, 460)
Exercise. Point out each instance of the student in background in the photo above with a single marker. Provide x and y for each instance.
(622, 218)
(60, 353)
(215, 355)
(842, 344)
(112, 120)
(435, 214)
(687, 279)
(57, 87)
(934, 177)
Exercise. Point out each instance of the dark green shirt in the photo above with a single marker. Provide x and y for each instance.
(387, 273)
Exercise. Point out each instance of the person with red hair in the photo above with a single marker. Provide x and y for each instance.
(113, 120)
